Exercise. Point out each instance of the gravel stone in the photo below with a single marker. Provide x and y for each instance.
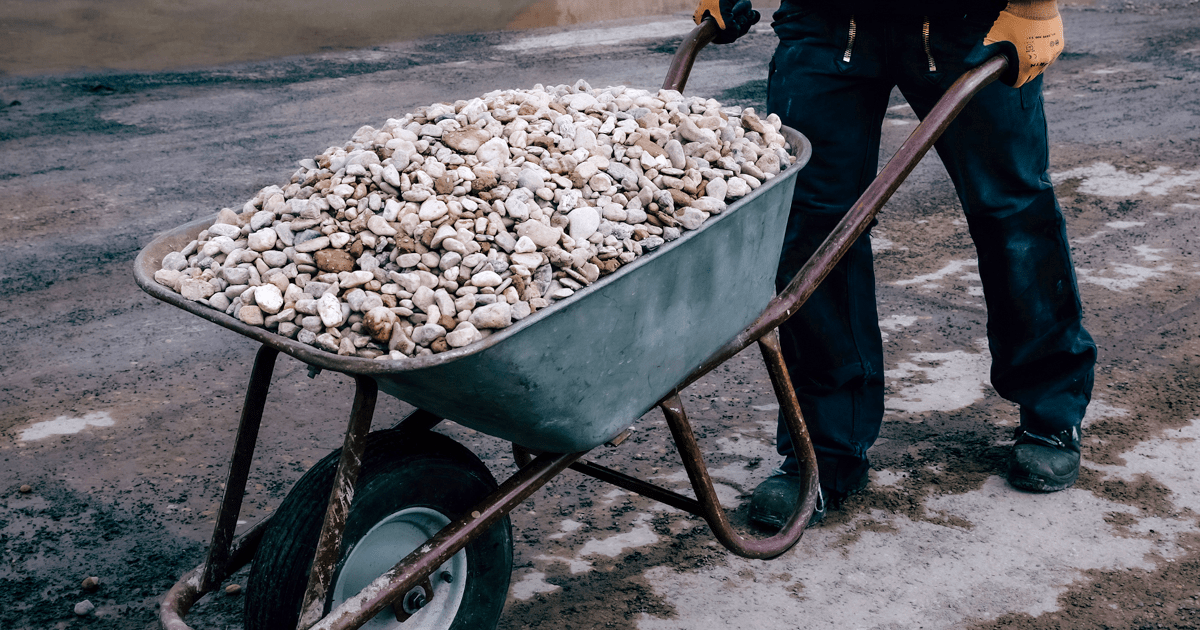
(466, 217)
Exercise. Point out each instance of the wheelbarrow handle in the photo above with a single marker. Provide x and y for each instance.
(681, 64)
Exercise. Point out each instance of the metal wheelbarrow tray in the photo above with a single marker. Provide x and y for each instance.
(575, 374)
(557, 384)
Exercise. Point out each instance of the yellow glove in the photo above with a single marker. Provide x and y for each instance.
(735, 17)
(713, 8)
(1036, 29)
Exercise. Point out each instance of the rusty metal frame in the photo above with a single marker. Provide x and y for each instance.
(226, 555)
(329, 544)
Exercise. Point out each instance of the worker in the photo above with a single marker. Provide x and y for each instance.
(830, 78)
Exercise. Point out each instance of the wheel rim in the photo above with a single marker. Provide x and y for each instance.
(386, 544)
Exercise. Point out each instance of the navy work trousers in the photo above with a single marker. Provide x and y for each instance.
(830, 78)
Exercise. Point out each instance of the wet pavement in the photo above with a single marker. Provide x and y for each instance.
(119, 411)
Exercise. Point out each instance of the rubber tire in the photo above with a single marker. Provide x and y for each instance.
(400, 469)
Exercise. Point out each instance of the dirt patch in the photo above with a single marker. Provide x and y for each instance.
(1167, 597)
(45, 534)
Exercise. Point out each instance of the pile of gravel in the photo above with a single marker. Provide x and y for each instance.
(459, 219)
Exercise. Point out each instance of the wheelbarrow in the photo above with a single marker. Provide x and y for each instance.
(405, 528)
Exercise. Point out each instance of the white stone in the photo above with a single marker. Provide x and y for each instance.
(194, 289)
(708, 205)
(379, 226)
(353, 279)
(464, 334)
(321, 242)
(583, 101)
(525, 245)
(498, 315)
(493, 152)
(261, 219)
(338, 240)
(446, 231)
(432, 209)
(716, 188)
(423, 298)
(530, 261)
(530, 180)
(263, 239)
(169, 278)
(223, 229)
(174, 261)
(269, 298)
(486, 278)
(542, 235)
(737, 188)
(584, 221)
(425, 335)
(692, 218)
(329, 308)
(378, 321)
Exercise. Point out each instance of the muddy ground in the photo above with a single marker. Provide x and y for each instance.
(120, 411)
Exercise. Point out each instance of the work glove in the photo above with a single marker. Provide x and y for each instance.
(1033, 32)
(735, 17)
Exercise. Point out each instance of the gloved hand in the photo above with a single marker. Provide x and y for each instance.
(735, 17)
(1035, 29)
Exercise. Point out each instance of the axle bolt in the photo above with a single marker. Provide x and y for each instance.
(414, 600)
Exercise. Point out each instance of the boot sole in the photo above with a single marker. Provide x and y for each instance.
(1040, 484)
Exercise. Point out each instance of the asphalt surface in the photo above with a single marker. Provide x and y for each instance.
(119, 411)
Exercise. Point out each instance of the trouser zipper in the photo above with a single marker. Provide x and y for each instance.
(850, 40)
(928, 53)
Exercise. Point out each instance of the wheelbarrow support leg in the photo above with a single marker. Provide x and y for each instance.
(340, 498)
(215, 568)
(693, 462)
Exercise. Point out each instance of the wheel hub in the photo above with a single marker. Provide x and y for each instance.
(389, 541)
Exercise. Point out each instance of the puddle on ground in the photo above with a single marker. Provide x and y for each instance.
(948, 380)
(65, 425)
(148, 35)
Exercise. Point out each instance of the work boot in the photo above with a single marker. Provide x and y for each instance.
(774, 500)
(1045, 463)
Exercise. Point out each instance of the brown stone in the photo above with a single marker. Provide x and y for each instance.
(608, 266)
(558, 107)
(439, 345)
(543, 141)
(527, 109)
(334, 260)
(466, 140)
(485, 179)
(405, 243)
(360, 222)
(680, 198)
(650, 147)
(665, 219)
(355, 249)
(444, 184)
(90, 583)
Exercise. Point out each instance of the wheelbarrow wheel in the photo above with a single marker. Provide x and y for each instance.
(411, 485)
